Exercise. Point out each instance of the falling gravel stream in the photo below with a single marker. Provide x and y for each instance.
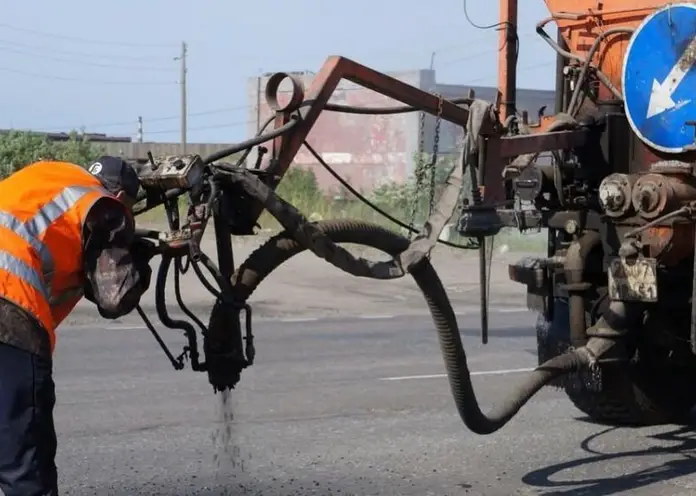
(230, 460)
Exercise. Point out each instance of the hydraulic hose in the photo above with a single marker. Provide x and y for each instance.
(163, 314)
(283, 246)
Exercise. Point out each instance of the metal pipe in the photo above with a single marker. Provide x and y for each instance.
(561, 63)
(574, 269)
(507, 58)
(483, 273)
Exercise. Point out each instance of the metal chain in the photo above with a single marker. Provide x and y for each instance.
(436, 149)
(422, 169)
(418, 173)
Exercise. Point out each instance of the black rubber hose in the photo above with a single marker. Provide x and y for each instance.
(580, 83)
(283, 246)
(250, 143)
(163, 313)
(178, 266)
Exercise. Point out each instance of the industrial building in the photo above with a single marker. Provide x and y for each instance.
(369, 150)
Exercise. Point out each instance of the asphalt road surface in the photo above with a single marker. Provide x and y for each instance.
(338, 407)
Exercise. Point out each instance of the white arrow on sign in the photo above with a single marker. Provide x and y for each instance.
(661, 95)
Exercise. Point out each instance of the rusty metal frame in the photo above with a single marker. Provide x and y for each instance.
(498, 150)
(506, 147)
(335, 69)
(325, 83)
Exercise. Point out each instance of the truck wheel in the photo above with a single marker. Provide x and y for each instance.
(645, 392)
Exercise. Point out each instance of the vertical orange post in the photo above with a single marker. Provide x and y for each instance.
(507, 59)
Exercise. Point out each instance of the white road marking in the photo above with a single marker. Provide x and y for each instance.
(438, 376)
(307, 319)
(377, 317)
(511, 310)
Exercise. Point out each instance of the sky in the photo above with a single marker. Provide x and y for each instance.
(99, 65)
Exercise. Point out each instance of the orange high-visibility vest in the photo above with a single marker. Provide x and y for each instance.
(42, 212)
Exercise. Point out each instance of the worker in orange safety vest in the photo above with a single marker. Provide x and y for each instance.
(65, 232)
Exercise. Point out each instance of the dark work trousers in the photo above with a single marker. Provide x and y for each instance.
(27, 433)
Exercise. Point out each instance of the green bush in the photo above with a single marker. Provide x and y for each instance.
(18, 149)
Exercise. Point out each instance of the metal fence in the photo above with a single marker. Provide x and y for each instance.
(136, 150)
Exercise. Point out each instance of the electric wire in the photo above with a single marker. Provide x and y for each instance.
(86, 62)
(86, 81)
(497, 25)
(367, 202)
(79, 53)
(76, 39)
(154, 119)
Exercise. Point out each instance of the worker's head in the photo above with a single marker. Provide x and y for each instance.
(118, 177)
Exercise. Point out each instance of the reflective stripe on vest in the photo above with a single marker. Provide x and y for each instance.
(17, 267)
(31, 231)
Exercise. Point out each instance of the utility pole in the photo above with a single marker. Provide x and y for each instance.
(182, 83)
(140, 129)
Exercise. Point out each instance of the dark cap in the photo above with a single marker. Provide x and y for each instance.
(116, 174)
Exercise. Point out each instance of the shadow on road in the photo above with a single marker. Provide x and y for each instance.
(685, 437)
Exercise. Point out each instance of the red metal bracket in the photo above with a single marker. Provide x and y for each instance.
(507, 147)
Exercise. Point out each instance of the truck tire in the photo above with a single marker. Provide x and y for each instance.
(635, 395)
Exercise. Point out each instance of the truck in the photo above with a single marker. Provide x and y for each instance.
(614, 292)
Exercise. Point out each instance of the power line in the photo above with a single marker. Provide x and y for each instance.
(479, 26)
(154, 119)
(86, 81)
(478, 54)
(83, 54)
(83, 40)
(84, 62)
(456, 46)
(497, 26)
(521, 69)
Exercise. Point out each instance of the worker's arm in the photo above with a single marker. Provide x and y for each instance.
(117, 270)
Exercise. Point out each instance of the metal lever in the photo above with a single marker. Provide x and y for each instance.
(177, 362)
(483, 276)
(483, 287)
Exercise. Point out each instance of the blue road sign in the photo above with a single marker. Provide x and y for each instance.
(659, 78)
